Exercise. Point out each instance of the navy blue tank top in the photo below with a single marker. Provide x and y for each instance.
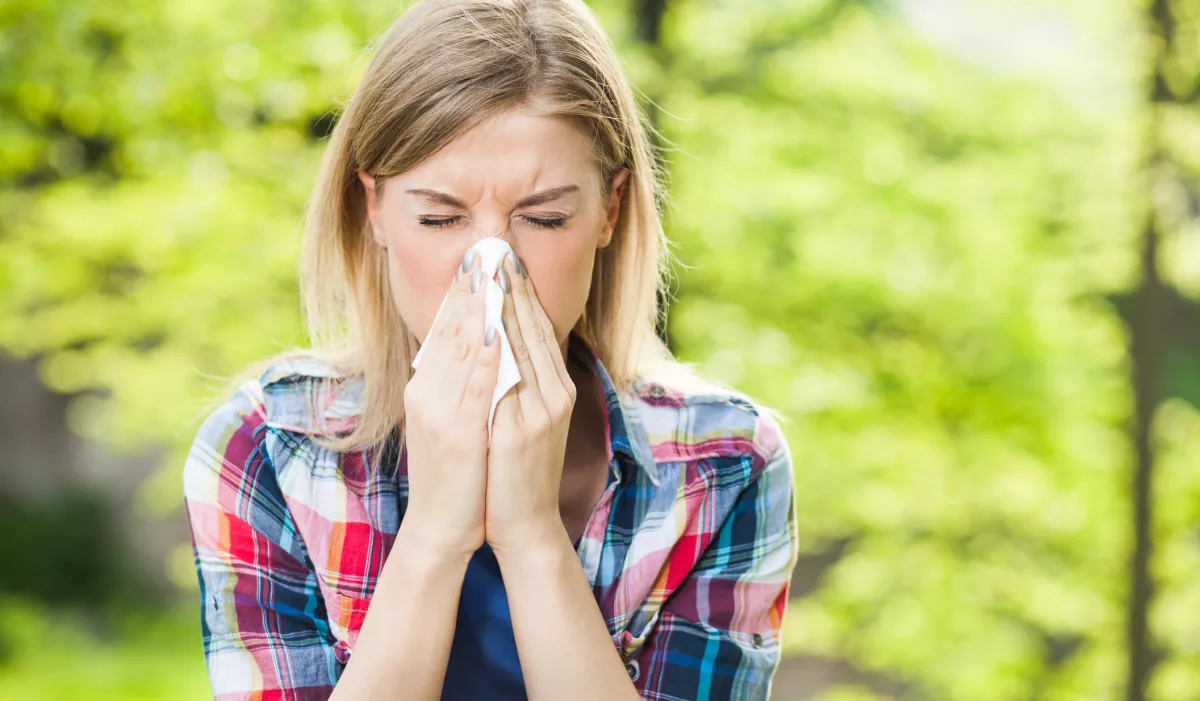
(483, 660)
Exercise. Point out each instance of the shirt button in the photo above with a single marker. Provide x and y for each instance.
(633, 670)
(657, 391)
(757, 640)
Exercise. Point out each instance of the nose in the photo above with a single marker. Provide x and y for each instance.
(499, 232)
(502, 232)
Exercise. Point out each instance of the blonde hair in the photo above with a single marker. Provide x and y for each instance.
(443, 67)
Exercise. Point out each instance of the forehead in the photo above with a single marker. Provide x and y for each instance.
(514, 148)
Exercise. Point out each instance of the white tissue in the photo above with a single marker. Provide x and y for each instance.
(491, 252)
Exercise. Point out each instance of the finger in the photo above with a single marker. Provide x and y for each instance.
(444, 324)
(541, 348)
(551, 340)
(528, 396)
(453, 339)
(508, 411)
(477, 396)
(472, 313)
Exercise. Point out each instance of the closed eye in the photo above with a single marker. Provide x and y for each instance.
(552, 223)
(538, 222)
(438, 222)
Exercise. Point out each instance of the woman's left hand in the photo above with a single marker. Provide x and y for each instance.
(529, 436)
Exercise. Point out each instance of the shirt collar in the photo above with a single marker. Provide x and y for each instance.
(623, 426)
(627, 438)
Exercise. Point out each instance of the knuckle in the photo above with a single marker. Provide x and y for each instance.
(538, 425)
(461, 350)
(521, 350)
(477, 392)
(564, 405)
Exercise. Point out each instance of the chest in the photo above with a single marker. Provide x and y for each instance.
(583, 484)
(348, 517)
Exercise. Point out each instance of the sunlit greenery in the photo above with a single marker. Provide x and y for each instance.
(910, 226)
(144, 658)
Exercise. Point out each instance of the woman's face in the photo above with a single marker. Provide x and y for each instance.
(525, 178)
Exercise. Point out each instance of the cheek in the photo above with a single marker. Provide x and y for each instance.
(420, 275)
(562, 280)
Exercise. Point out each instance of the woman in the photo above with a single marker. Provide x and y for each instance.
(620, 530)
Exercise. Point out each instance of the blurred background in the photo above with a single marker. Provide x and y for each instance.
(956, 242)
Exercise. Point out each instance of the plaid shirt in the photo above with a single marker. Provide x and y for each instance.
(689, 550)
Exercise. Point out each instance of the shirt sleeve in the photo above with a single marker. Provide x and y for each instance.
(718, 635)
(266, 635)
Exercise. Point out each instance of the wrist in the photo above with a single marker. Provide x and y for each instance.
(430, 541)
(531, 539)
(418, 568)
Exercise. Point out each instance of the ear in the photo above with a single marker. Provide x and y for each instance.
(368, 182)
(620, 184)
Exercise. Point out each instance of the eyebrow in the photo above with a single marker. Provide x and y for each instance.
(532, 201)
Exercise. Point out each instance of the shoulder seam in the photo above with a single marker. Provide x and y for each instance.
(743, 440)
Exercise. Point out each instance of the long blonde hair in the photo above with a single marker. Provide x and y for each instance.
(443, 67)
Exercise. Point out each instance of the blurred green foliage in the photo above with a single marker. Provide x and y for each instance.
(61, 541)
(48, 657)
(909, 242)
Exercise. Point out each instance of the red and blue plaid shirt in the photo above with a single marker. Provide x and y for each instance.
(689, 550)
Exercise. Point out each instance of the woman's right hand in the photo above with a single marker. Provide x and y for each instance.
(406, 635)
(446, 405)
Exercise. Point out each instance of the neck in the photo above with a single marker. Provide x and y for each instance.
(586, 437)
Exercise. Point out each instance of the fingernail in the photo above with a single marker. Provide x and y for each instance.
(505, 283)
(477, 281)
(468, 259)
(521, 268)
(504, 323)
(490, 335)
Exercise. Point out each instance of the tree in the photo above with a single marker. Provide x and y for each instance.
(930, 262)
(917, 257)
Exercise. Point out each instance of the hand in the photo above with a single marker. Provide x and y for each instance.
(446, 406)
(529, 436)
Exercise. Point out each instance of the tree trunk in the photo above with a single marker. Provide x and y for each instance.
(1148, 342)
